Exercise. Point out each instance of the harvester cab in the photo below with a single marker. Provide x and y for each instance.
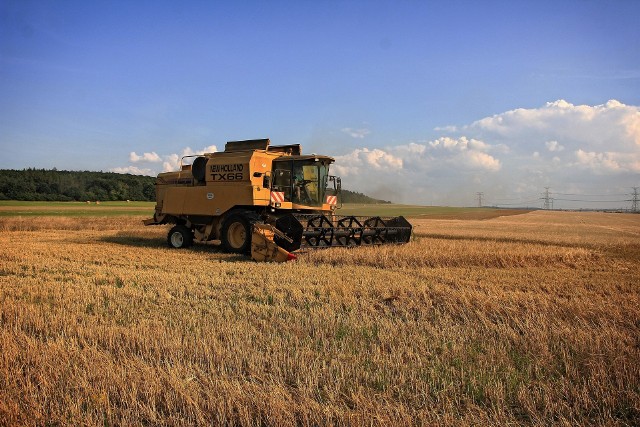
(303, 182)
(265, 200)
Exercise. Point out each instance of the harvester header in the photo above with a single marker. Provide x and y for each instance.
(265, 200)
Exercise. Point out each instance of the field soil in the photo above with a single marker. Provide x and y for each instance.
(528, 319)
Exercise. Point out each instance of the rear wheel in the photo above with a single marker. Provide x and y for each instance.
(180, 237)
(236, 232)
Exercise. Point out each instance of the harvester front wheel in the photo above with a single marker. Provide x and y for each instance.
(236, 234)
(180, 237)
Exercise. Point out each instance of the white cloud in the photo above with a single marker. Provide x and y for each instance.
(170, 162)
(146, 157)
(411, 148)
(613, 124)
(608, 162)
(461, 154)
(367, 161)
(554, 146)
(209, 149)
(631, 123)
(449, 128)
(410, 172)
(356, 133)
(588, 147)
(460, 144)
(133, 170)
(476, 159)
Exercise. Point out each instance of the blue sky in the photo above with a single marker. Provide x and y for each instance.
(397, 91)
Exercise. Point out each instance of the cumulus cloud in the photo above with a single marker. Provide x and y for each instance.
(608, 162)
(558, 144)
(365, 160)
(356, 133)
(461, 153)
(554, 146)
(173, 161)
(480, 160)
(572, 126)
(170, 162)
(406, 172)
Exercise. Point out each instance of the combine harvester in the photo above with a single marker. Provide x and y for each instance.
(265, 200)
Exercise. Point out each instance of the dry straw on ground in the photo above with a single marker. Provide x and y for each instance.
(525, 320)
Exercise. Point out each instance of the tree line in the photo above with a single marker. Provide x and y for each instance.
(54, 185)
(355, 197)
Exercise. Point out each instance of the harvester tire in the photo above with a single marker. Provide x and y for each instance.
(180, 237)
(236, 231)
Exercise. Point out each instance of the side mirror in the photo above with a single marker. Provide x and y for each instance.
(266, 181)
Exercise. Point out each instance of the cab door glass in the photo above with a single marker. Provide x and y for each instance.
(282, 183)
(305, 184)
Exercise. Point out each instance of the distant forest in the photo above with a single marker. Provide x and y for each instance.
(353, 197)
(54, 185)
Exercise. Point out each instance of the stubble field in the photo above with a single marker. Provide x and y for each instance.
(529, 319)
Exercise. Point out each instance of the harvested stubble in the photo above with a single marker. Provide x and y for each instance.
(532, 319)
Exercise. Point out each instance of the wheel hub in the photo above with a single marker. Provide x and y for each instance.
(237, 235)
(177, 240)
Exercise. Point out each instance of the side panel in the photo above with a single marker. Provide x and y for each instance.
(227, 184)
(209, 200)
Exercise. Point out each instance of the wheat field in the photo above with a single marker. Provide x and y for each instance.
(529, 319)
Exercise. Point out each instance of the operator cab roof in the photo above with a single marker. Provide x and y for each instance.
(265, 144)
(262, 144)
(316, 157)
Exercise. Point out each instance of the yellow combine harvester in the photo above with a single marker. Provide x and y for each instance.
(265, 200)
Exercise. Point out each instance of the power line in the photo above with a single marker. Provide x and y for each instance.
(590, 195)
(549, 197)
(513, 199)
(519, 203)
(592, 201)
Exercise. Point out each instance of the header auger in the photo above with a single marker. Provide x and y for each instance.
(265, 200)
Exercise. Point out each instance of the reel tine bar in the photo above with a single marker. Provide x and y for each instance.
(323, 231)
